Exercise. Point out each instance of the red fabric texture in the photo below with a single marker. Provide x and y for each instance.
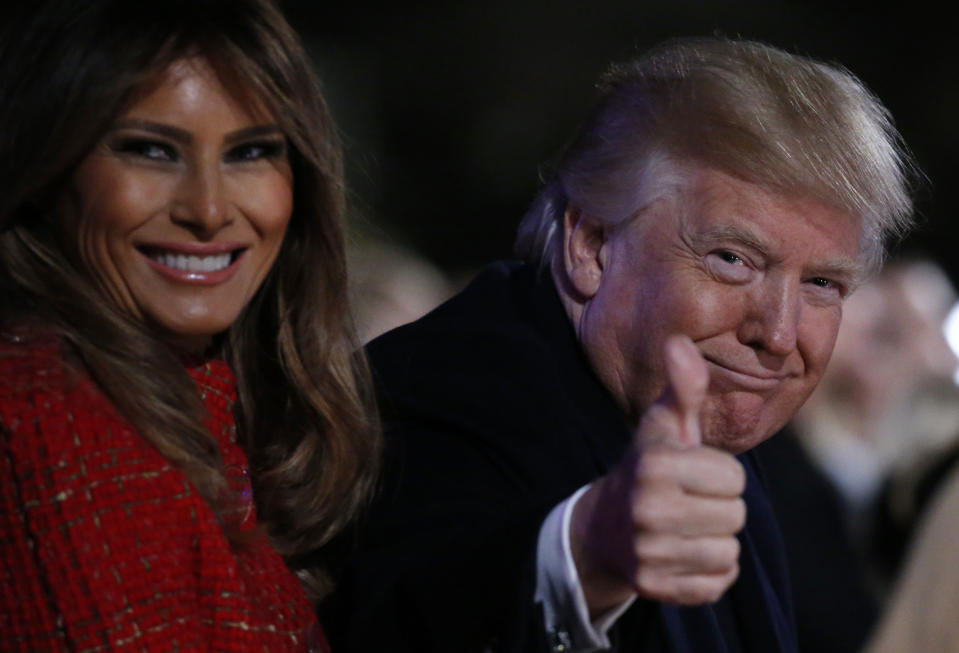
(105, 546)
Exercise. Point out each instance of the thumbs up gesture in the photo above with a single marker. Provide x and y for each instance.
(663, 524)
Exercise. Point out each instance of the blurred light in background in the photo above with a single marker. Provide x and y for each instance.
(950, 329)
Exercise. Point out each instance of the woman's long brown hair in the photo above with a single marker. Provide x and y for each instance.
(304, 413)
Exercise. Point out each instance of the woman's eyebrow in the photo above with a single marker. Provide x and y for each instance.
(162, 129)
(184, 136)
(254, 131)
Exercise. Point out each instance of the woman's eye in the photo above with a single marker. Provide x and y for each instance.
(152, 150)
(256, 151)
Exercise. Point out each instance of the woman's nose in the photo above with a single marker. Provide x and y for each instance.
(200, 200)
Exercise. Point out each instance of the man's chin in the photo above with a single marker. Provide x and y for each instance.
(736, 423)
(735, 444)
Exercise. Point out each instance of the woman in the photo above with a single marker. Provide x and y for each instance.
(174, 334)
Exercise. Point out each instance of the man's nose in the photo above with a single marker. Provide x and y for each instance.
(200, 202)
(773, 321)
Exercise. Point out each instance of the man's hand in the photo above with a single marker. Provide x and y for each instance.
(663, 524)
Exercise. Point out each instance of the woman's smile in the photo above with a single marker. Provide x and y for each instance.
(194, 262)
(181, 210)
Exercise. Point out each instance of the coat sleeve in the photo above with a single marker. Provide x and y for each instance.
(28, 617)
(443, 565)
(90, 555)
(78, 539)
(446, 560)
(492, 418)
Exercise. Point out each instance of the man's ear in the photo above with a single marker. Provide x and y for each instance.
(584, 251)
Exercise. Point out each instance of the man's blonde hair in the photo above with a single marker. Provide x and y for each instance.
(786, 122)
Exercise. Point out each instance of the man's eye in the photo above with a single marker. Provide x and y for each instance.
(829, 285)
(257, 151)
(729, 257)
(153, 150)
(823, 282)
(728, 267)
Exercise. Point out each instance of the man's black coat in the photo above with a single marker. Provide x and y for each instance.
(493, 416)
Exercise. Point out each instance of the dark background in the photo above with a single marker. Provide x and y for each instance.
(449, 110)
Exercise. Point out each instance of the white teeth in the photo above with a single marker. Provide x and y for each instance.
(192, 263)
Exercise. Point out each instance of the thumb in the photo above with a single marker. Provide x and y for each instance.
(686, 390)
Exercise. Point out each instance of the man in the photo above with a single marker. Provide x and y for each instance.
(567, 462)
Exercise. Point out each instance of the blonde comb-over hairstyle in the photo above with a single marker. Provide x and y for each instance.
(786, 122)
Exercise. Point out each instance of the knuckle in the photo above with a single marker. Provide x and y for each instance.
(653, 513)
(654, 585)
(739, 516)
(713, 593)
(682, 590)
(650, 551)
(730, 578)
(646, 513)
(658, 464)
(728, 553)
(727, 467)
(698, 593)
(735, 549)
(739, 476)
(715, 555)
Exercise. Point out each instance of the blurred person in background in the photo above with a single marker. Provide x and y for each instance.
(886, 408)
(185, 419)
(921, 611)
(888, 400)
(391, 285)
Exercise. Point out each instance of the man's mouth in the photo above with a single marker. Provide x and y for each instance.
(730, 376)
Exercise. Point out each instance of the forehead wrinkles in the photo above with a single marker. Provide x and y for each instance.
(721, 207)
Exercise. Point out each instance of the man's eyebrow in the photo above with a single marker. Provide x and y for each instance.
(843, 268)
(736, 233)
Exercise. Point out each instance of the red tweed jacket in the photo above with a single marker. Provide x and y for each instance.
(104, 546)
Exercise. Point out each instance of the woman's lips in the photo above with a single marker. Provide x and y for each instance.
(194, 263)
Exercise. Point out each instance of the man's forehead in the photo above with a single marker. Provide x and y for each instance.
(773, 223)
